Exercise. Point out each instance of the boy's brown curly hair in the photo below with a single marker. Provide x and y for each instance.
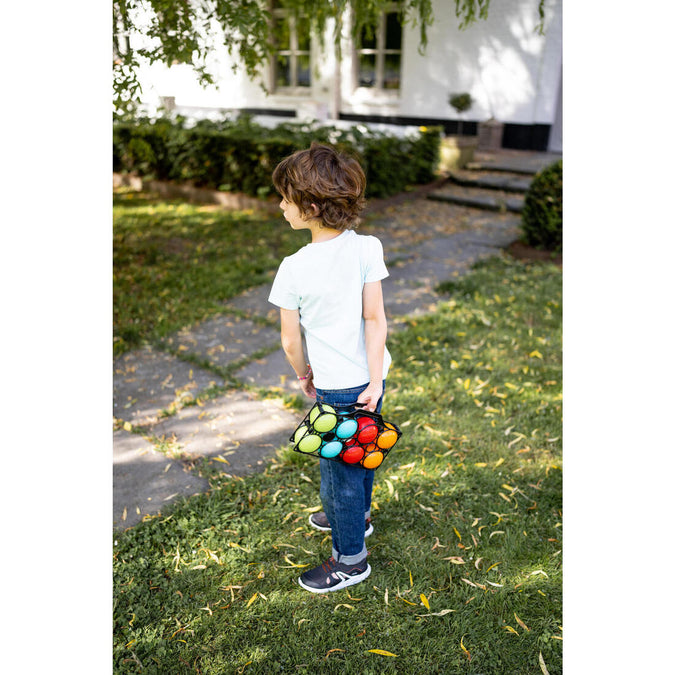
(321, 175)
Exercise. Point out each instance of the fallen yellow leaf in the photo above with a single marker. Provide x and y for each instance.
(520, 622)
(542, 665)
(382, 652)
(443, 612)
(424, 600)
(252, 600)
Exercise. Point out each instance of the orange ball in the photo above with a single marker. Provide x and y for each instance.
(387, 439)
(372, 460)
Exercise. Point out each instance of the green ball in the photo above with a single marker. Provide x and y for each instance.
(299, 433)
(316, 411)
(310, 443)
(325, 422)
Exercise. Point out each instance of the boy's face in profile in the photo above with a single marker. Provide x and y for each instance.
(293, 216)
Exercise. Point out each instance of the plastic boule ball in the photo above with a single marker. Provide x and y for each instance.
(387, 439)
(325, 422)
(331, 449)
(346, 429)
(309, 443)
(299, 433)
(363, 421)
(319, 409)
(352, 455)
(372, 460)
(368, 433)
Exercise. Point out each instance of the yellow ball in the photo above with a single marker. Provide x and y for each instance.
(323, 418)
(310, 443)
(299, 433)
(316, 411)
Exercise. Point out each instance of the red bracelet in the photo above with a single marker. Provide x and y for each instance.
(309, 373)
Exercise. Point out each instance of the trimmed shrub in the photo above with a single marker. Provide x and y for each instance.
(240, 156)
(542, 218)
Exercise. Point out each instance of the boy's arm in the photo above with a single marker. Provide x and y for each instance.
(291, 342)
(376, 336)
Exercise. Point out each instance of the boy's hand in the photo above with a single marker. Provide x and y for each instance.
(308, 388)
(370, 396)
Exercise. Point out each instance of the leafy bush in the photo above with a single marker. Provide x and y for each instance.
(240, 156)
(542, 211)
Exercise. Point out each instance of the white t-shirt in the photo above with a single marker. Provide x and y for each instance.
(325, 282)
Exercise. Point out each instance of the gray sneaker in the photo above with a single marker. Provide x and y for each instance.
(319, 521)
(333, 576)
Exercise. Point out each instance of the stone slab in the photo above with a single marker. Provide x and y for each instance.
(146, 381)
(242, 429)
(146, 481)
(271, 372)
(224, 340)
(491, 180)
(254, 303)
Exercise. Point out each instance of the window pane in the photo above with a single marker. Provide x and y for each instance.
(282, 34)
(392, 71)
(303, 30)
(369, 38)
(393, 32)
(283, 71)
(367, 70)
(303, 70)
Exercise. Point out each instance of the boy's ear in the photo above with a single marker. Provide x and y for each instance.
(315, 210)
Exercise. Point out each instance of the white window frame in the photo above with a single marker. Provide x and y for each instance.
(380, 52)
(282, 14)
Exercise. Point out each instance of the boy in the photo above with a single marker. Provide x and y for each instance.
(332, 288)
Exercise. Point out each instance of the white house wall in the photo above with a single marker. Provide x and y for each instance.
(511, 71)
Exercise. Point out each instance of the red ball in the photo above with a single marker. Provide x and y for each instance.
(368, 433)
(352, 455)
(363, 421)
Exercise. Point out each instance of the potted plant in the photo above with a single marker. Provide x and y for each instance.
(457, 151)
(461, 103)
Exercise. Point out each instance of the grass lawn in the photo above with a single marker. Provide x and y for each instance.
(466, 553)
(177, 263)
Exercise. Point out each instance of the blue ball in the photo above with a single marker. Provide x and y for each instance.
(331, 449)
(346, 429)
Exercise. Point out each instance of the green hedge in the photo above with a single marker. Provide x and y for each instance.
(542, 218)
(240, 156)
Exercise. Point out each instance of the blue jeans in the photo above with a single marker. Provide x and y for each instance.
(346, 489)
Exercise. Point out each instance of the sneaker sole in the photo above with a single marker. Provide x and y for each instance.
(368, 532)
(357, 578)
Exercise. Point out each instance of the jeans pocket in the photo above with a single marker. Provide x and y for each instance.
(343, 400)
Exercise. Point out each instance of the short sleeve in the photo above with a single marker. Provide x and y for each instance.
(283, 293)
(375, 269)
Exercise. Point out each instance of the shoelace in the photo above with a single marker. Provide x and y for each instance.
(329, 565)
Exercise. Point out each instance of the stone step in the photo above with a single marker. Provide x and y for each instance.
(524, 163)
(480, 198)
(492, 180)
(501, 168)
